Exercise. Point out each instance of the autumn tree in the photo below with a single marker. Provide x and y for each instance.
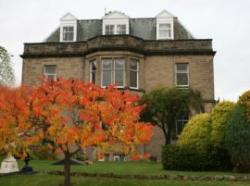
(7, 76)
(165, 106)
(16, 129)
(71, 116)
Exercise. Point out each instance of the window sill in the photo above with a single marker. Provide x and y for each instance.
(169, 38)
(183, 86)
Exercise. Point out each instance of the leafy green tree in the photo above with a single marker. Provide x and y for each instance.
(164, 106)
(237, 139)
(7, 76)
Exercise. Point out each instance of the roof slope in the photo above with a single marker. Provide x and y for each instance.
(144, 28)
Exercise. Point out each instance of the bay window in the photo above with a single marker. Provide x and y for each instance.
(119, 70)
(113, 72)
(133, 74)
(106, 72)
(92, 69)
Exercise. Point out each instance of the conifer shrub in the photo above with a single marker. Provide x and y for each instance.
(237, 138)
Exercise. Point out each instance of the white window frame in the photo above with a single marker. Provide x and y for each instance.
(64, 33)
(102, 71)
(91, 70)
(166, 30)
(109, 25)
(125, 31)
(123, 72)
(113, 71)
(161, 21)
(49, 74)
(68, 20)
(178, 72)
(74, 31)
(137, 73)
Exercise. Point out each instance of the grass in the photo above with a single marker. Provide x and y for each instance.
(148, 168)
(45, 180)
(121, 168)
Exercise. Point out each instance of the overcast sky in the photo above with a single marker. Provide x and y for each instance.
(227, 22)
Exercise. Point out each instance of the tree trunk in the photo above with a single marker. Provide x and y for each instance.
(167, 140)
(167, 137)
(166, 133)
(67, 181)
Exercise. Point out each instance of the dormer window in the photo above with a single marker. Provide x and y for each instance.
(109, 29)
(68, 33)
(68, 28)
(115, 23)
(165, 30)
(121, 29)
(164, 25)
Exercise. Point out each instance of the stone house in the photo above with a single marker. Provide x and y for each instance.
(133, 53)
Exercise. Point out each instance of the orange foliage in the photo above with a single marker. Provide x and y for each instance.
(15, 123)
(71, 114)
(139, 157)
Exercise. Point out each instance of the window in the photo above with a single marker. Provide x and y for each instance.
(92, 70)
(68, 33)
(109, 30)
(179, 124)
(113, 72)
(133, 73)
(165, 31)
(182, 79)
(50, 72)
(106, 72)
(119, 72)
(121, 29)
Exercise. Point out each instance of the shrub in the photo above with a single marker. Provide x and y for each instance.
(237, 138)
(196, 133)
(204, 133)
(244, 101)
(185, 158)
(219, 118)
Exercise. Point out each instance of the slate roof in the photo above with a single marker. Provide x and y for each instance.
(144, 28)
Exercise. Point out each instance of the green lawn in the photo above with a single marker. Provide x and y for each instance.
(43, 179)
(148, 168)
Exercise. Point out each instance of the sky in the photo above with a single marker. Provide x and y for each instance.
(227, 22)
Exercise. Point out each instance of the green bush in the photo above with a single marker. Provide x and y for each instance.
(176, 157)
(237, 138)
(205, 133)
(196, 133)
(244, 101)
(219, 118)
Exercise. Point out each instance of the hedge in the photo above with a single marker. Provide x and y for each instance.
(176, 157)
